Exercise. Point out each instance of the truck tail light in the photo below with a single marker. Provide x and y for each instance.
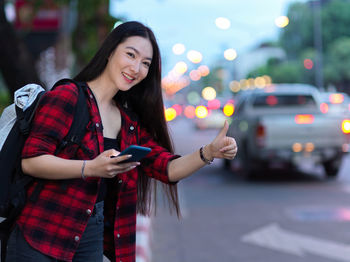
(324, 108)
(345, 126)
(260, 135)
(304, 119)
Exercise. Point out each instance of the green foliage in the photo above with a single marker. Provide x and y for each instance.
(281, 71)
(5, 99)
(335, 21)
(298, 34)
(297, 39)
(337, 70)
(94, 23)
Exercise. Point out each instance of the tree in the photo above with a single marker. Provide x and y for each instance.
(16, 63)
(337, 69)
(297, 39)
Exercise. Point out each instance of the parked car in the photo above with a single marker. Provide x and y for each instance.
(283, 125)
(335, 103)
(214, 120)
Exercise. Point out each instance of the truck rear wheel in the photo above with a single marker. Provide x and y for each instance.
(332, 167)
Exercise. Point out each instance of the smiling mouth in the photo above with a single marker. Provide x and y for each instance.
(128, 76)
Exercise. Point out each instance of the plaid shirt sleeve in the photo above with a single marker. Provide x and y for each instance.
(52, 121)
(155, 164)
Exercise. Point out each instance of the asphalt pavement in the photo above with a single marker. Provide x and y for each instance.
(290, 216)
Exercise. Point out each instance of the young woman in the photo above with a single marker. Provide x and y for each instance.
(95, 211)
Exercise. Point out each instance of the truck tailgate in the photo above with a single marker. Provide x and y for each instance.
(282, 131)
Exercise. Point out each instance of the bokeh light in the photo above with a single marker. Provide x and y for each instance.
(214, 104)
(222, 23)
(178, 49)
(230, 54)
(209, 93)
(308, 64)
(204, 70)
(201, 112)
(193, 98)
(282, 21)
(170, 114)
(178, 109)
(194, 56)
(228, 109)
(190, 112)
(180, 67)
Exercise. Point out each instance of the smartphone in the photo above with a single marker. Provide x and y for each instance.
(137, 152)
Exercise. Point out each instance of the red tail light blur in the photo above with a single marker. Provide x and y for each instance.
(260, 135)
(336, 98)
(324, 108)
(304, 119)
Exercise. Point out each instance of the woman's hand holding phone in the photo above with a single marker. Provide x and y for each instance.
(110, 163)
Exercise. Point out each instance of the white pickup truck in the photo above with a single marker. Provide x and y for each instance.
(282, 126)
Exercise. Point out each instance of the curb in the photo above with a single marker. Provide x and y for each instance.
(143, 229)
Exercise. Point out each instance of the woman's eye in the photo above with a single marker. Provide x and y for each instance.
(130, 54)
(148, 64)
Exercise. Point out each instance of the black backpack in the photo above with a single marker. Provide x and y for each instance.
(14, 182)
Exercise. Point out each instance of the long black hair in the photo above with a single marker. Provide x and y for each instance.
(145, 99)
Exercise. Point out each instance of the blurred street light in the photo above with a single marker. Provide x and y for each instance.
(195, 75)
(204, 70)
(178, 49)
(222, 23)
(170, 114)
(282, 21)
(209, 93)
(308, 64)
(201, 111)
(194, 56)
(180, 67)
(230, 54)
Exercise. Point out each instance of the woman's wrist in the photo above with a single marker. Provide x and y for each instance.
(83, 172)
(85, 169)
(208, 152)
(206, 155)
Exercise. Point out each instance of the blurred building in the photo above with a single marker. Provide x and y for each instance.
(45, 29)
(255, 58)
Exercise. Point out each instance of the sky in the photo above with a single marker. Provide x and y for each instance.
(192, 23)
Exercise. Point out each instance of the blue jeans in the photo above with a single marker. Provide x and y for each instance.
(90, 247)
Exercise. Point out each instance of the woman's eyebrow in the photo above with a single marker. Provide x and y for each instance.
(137, 51)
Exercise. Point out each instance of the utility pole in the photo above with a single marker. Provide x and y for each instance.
(316, 7)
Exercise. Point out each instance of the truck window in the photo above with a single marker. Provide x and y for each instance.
(240, 106)
(272, 100)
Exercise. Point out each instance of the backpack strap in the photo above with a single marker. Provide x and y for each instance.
(76, 132)
(81, 117)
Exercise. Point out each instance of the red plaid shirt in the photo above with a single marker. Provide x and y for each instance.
(55, 223)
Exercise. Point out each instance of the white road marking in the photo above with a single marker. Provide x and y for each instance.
(276, 238)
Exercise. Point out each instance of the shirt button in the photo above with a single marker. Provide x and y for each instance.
(120, 181)
(117, 207)
(97, 125)
(118, 236)
(132, 128)
(91, 97)
(76, 238)
(88, 211)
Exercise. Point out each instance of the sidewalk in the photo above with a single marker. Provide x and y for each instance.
(143, 230)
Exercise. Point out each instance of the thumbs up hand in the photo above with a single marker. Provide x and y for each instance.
(222, 146)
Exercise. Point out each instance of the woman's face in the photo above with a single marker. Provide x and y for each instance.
(129, 63)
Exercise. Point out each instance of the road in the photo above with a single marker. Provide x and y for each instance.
(289, 217)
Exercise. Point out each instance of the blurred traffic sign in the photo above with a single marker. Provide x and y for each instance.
(44, 17)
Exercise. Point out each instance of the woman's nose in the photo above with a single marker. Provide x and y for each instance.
(135, 67)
